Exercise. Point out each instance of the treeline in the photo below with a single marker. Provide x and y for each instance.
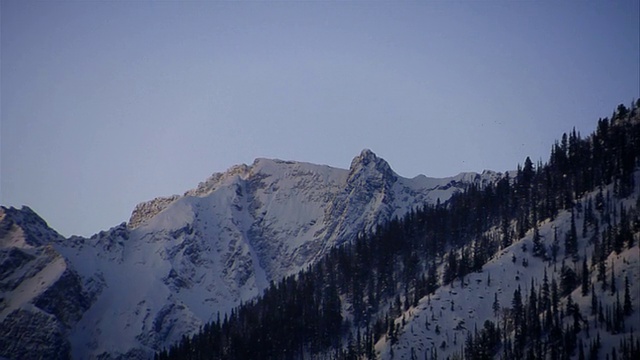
(343, 304)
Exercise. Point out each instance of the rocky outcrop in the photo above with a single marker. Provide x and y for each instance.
(66, 299)
(146, 210)
(33, 335)
(41, 296)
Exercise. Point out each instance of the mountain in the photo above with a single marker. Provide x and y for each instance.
(181, 260)
(541, 264)
(41, 295)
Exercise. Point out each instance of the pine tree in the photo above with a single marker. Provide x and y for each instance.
(585, 277)
(432, 278)
(594, 349)
(623, 232)
(577, 317)
(602, 277)
(614, 290)
(517, 310)
(537, 242)
(533, 320)
(568, 279)
(628, 309)
(618, 315)
(451, 268)
(594, 301)
(555, 246)
(544, 296)
(571, 239)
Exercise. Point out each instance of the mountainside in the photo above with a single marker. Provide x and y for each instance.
(539, 265)
(457, 319)
(181, 260)
(41, 295)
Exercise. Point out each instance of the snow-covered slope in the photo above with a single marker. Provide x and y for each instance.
(182, 259)
(439, 326)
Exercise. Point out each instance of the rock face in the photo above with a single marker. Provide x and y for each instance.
(41, 296)
(181, 260)
(149, 209)
(33, 335)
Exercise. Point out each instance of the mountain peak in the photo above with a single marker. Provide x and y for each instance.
(366, 156)
(35, 231)
(370, 163)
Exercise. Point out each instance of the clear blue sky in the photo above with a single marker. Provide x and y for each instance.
(107, 104)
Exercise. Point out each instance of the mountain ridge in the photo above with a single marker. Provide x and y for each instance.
(183, 258)
(147, 209)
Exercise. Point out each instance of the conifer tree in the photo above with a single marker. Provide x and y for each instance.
(594, 301)
(555, 246)
(544, 296)
(496, 305)
(628, 309)
(602, 277)
(571, 239)
(517, 311)
(585, 277)
(537, 241)
(614, 290)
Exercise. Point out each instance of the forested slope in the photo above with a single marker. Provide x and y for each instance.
(576, 214)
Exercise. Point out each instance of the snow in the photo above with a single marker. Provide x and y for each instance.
(32, 286)
(14, 238)
(183, 259)
(472, 303)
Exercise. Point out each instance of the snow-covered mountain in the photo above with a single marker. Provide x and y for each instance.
(41, 295)
(180, 260)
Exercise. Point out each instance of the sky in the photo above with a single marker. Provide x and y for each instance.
(107, 104)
